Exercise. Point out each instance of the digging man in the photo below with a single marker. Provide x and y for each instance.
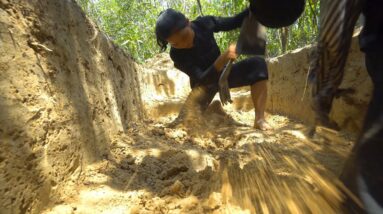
(195, 52)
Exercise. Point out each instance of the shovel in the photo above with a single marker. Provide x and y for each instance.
(251, 41)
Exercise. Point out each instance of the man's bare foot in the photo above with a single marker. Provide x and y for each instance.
(262, 125)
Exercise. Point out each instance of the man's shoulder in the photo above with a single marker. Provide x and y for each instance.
(205, 22)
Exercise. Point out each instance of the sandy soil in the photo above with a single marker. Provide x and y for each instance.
(226, 168)
(74, 137)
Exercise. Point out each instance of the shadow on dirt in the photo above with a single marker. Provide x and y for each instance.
(261, 174)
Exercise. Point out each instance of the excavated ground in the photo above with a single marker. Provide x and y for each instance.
(227, 167)
(219, 164)
(73, 138)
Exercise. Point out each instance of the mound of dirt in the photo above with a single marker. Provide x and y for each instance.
(65, 91)
(287, 84)
(163, 87)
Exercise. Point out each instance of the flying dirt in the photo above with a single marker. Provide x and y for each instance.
(227, 168)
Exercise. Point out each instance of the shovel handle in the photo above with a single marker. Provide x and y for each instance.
(224, 92)
(226, 72)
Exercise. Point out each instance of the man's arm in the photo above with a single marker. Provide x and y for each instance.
(217, 24)
(199, 75)
(185, 65)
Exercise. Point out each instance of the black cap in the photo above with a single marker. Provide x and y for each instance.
(169, 21)
(277, 13)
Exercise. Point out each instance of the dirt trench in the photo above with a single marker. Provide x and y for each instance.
(84, 129)
(227, 168)
(217, 165)
(221, 165)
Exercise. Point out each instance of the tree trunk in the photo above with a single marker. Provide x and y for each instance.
(200, 7)
(284, 34)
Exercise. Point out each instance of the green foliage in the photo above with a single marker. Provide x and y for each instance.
(130, 23)
(301, 33)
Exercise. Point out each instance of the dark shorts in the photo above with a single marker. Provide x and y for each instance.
(243, 73)
(247, 72)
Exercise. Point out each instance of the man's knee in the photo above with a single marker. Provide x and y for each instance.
(257, 63)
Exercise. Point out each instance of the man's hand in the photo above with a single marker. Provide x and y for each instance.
(229, 54)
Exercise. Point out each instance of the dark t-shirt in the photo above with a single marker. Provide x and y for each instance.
(197, 62)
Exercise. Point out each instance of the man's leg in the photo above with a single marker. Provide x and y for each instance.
(253, 72)
(259, 96)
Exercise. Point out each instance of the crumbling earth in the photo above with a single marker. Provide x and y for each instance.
(226, 168)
